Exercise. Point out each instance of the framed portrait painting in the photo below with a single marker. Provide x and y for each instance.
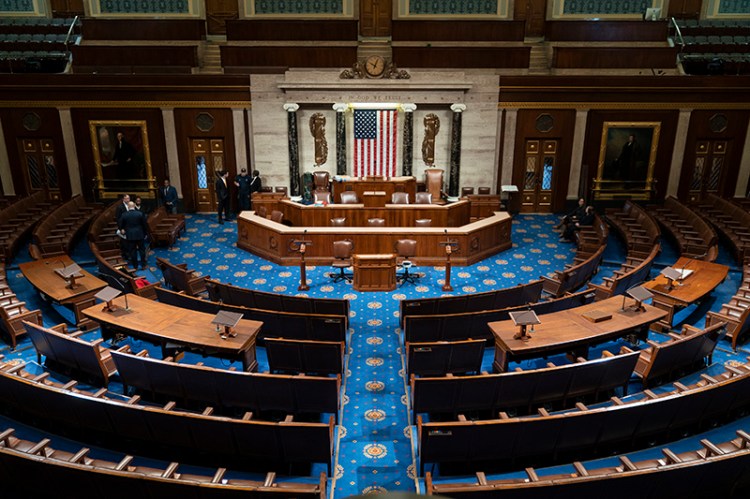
(122, 159)
(627, 156)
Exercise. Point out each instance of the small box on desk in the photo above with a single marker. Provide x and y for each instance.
(596, 316)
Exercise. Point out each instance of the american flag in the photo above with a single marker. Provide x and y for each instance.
(375, 142)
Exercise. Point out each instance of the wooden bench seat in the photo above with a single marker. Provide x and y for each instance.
(439, 358)
(165, 228)
(180, 278)
(305, 356)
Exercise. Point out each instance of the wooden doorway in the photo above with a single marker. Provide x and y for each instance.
(708, 174)
(375, 18)
(208, 158)
(534, 12)
(40, 171)
(218, 12)
(540, 168)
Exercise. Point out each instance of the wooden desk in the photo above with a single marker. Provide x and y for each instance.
(569, 331)
(375, 272)
(374, 199)
(703, 279)
(361, 185)
(41, 274)
(164, 324)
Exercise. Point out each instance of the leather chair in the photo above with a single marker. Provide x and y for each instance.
(322, 197)
(423, 222)
(423, 198)
(338, 222)
(349, 197)
(342, 255)
(467, 191)
(405, 249)
(281, 189)
(320, 180)
(262, 211)
(277, 216)
(484, 190)
(433, 180)
(400, 198)
(376, 222)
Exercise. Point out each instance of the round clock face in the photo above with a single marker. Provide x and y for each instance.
(375, 65)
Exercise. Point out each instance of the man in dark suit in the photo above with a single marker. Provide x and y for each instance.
(586, 220)
(222, 194)
(133, 226)
(122, 208)
(256, 185)
(242, 181)
(168, 197)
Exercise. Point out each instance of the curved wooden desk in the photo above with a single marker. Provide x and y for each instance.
(165, 324)
(270, 240)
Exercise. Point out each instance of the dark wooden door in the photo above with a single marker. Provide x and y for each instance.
(540, 165)
(208, 158)
(375, 17)
(66, 8)
(218, 12)
(40, 171)
(534, 12)
(685, 9)
(708, 174)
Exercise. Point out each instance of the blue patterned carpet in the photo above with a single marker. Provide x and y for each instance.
(374, 450)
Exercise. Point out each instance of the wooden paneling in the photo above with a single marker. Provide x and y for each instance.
(606, 31)
(595, 123)
(733, 133)
(66, 8)
(533, 13)
(562, 128)
(614, 57)
(301, 56)
(375, 17)
(143, 29)
(490, 31)
(49, 128)
(320, 30)
(122, 59)
(218, 12)
(462, 57)
(685, 9)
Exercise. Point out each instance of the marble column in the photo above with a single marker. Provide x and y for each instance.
(408, 147)
(170, 141)
(741, 190)
(455, 172)
(509, 142)
(291, 109)
(71, 154)
(678, 154)
(576, 157)
(340, 109)
(5, 175)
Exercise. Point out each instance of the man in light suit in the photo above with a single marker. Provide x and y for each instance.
(133, 226)
(222, 194)
(168, 197)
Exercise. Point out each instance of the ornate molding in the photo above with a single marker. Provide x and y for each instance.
(357, 72)
(291, 107)
(409, 107)
(458, 108)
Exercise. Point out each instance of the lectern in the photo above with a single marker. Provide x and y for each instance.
(523, 319)
(70, 273)
(375, 272)
(108, 294)
(229, 321)
(672, 275)
(300, 245)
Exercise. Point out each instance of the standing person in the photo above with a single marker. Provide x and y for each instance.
(222, 194)
(122, 207)
(139, 205)
(242, 181)
(133, 226)
(168, 197)
(256, 185)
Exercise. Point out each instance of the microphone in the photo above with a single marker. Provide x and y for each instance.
(124, 293)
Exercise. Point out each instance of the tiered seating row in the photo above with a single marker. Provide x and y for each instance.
(523, 391)
(639, 230)
(64, 472)
(462, 326)
(234, 295)
(179, 278)
(736, 312)
(694, 236)
(165, 228)
(491, 300)
(444, 357)
(290, 325)
(634, 271)
(713, 470)
(202, 437)
(731, 220)
(228, 390)
(17, 220)
(13, 311)
(584, 432)
(573, 277)
(305, 356)
(55, 234)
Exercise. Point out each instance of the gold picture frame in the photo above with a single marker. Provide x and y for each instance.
(627, 157)
(122, 166)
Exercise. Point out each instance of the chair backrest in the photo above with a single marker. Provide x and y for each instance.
(376, 222)
(466, 191)
(277, 216)
(423, 222)
(433, 179)
(282, 189)
(338, 222)
(343, 249)
(423, 198)
(320, 180)
(349, 197)
(406, 247)
(322, 197)
(262, 211)
(484, 190)
(400, 198)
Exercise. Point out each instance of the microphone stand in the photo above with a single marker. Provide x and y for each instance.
(451, 245)
(300, 246)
